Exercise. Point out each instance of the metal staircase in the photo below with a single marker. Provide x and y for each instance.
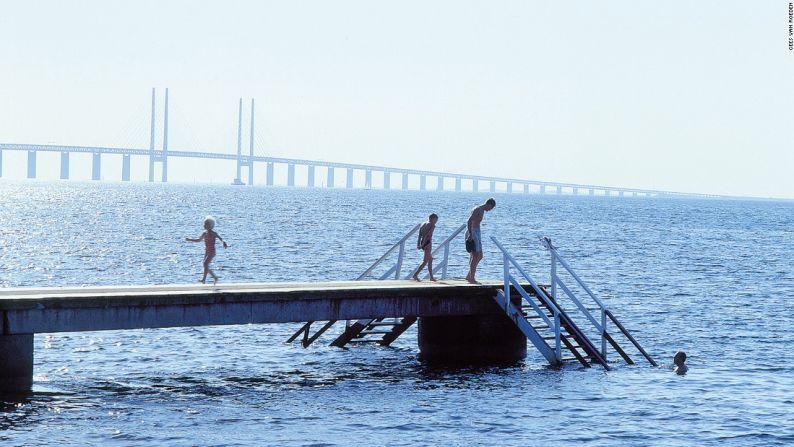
(382, 331)
(539, 315)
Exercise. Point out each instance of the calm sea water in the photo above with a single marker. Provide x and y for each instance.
(713, 278)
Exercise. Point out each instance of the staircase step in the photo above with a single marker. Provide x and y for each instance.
(374, 332)
(364, 340)
(383, 323)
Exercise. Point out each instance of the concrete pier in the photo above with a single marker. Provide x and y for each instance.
(405, 182)
(349, 178)
(330, 177)
(290, 174)
(125, 168)
(311, 176)
(269, 174)
(64, 166)
(96, 166)
(484, 329)
(386, 180)
(31, 164)
(422, 182)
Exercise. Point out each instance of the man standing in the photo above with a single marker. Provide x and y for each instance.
(473, 234)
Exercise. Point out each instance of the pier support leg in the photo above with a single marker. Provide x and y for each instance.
(330, 176)
(509, 186)
(16, 363)
(440, 183)
(290, 175)
(475, 185)
(125, 168)
(311, 176)
(493, 186)
(269, 178)
(526, 188)
(457, 184)
(405, 181)
(368, 179)
(349, 178)
(386, 180)
(64, 166)
(471, 338)
(96, 167)
(422, 182)
(31, 164)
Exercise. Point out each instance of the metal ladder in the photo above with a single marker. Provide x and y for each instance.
(382, 330)
(538, 315)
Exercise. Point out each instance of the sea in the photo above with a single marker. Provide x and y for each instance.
(713, 278)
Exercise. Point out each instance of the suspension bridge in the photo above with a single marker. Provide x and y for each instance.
(158, 159)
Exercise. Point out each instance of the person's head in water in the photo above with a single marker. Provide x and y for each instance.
(490, 204)
(209, 223)
(678, 361)
(433, 218)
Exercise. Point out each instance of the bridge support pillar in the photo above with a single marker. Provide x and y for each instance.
(125, 168)
(509, 186)
(96, 167)
(368, 179)
(64, 166)
(475, 185)
(330, 176)
(543, 189)
(472, 338)
(620, 193)
(386, 180)
(559, 190)
(526, 188)
(457, 184)
(349, 178)
(1, 162)
(493, 186)
(405, 181)
(576, 191)
(311, 177)
(31, 164)
(16, 363)
(290, 174)
(440, 183)
(422, 182)
(269, 175)
(591, 191)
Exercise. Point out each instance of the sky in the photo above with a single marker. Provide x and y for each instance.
(678, 95)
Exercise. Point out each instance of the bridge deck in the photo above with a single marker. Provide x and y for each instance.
(40, 310)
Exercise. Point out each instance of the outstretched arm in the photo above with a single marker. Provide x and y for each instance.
(225, 245)
(198, 239)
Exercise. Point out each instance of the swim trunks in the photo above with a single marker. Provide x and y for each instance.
(475, 236)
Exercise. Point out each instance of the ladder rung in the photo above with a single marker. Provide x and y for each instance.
(383, 323)
(374, 332)
(364, 340)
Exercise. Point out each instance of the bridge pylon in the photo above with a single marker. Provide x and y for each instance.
(162, 155)
(241, 160)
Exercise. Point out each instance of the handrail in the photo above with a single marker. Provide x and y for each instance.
(401, 245)
(445, 245)
(509, 280)
(602, 327)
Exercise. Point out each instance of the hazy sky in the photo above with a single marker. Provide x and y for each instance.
(676, 95)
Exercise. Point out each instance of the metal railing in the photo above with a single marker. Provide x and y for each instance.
(512, 283)
(599, 324)
(396, 268)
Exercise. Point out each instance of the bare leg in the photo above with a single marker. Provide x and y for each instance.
(430, 269)
(473, 262)
(416, 275)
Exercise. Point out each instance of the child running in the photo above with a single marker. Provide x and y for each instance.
(208, 236)
(425, 243)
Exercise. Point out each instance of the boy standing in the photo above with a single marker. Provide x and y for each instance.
(425, 243)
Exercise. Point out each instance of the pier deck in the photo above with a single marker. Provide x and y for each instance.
(43, 310)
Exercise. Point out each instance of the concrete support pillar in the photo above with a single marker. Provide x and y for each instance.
(493, 186)
(349, 178)
(330, 176)
(620, 193)
(471, 338)
(291, 174)
(64, 166)
(576, 191)
(368, 178)
(269, 174)
(386, 180)
(440, 183)
(543, 189)
(591, 191)
(526, 188)
(16, 363)
(422, 182)
(31, 164)
(125, 168)
(1, 162)
(96, 166)
(457, 184)
(311, 177)
(475, 185)
(405, 181)
(509, 186)
(606, 192)
(559, 190)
